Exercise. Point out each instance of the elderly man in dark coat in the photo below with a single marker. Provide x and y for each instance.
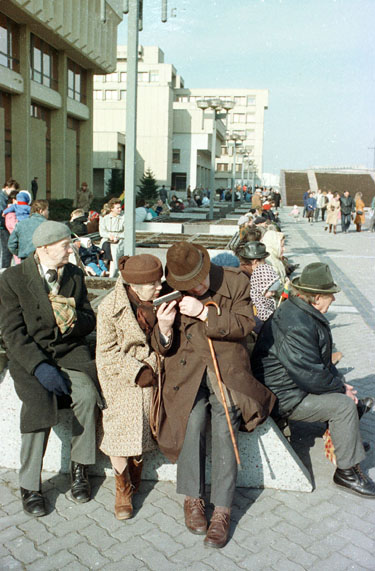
(191, 388)
(293, 358)
(44, 318)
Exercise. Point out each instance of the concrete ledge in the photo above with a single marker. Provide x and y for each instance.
(268, 460)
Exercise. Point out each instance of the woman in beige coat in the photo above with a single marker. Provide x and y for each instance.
(333, 210)
(359, 219)
(127, 369)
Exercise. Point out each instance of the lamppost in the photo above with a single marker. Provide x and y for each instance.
(245, 156)
(215, 105)
(237, 139)
(134, 8)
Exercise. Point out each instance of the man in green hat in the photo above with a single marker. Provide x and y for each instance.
(293, 358)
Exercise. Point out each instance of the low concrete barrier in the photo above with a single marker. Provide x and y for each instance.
(267, 459)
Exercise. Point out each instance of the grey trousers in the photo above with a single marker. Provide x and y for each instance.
(341, 414)
(83, 443)
(192, 459)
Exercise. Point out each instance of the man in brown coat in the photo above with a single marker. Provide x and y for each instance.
(191, 389)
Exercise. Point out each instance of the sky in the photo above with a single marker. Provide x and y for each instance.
(316, 58)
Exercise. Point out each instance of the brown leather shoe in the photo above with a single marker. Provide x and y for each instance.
(135, 465)
(195, 518)
(217, 534)
(124, 495)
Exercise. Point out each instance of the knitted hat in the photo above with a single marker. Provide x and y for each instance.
(50, 232)
(316, 278)
(140, 269)
(23, 197)
(187, 265)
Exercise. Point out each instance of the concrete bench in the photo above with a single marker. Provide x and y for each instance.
(267, 459)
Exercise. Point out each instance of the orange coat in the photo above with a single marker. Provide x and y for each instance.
(359, 206)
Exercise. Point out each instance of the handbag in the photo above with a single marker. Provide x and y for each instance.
(156, 407)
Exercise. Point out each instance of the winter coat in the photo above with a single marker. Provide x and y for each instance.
(256, 201)
(78, 226)
(20, 241)
(187, 357)
(89, 255)
(122, 350)
(272, 242)
(347, 205)
(292, 355)
(31, 336)
(83, 199)
(333, 210)
(22, 211)
(359, 206)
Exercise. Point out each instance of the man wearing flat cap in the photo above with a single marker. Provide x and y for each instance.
(44, 317)
(293, 358)
(191, 390)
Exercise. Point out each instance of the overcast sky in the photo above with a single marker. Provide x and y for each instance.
(316, 57)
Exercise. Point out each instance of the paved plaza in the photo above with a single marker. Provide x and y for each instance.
(327, 529)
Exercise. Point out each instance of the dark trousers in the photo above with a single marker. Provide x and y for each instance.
(324, 210)
(192, 459)
(345, 222)
(5, 255)
(83, 444)
(341, 413)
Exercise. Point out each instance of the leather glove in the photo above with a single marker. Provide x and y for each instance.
(146, 377)
(51, 379)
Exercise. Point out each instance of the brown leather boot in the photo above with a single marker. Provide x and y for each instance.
(330, 228)
(135, 464)
(217, 534)
(195, 518)
(124, 494)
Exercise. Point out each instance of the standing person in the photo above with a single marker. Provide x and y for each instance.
(20, 242)
(44, 318)
(34, 187)
(325, 202)
(304, 198)
(191, 388)
(372, 220)
(127, 369)
(277, 198)
(84, 197)
(5, 255)
(359, 211)
(310, 207)
(111, 230)
(256, 200)
(319, 204)
(333, 209)
(347, 207)
(163, 193)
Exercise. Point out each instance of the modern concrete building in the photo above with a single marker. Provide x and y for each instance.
(174, 139)
(49, 51)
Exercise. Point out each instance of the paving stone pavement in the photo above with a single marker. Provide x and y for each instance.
(271, 530)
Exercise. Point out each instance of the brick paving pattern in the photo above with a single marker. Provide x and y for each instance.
(271, 530)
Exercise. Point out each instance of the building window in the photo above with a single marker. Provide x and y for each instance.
(238, 118)
(112, 76)
(143, 77)
(111, 95)
(76, 82)
(100, 78)
(123, 95)
(224, 150)
(251, 100)
(5, 105)
(240, 100)
(176, 156)
(43, 58)
(222, 167)
(9, 43)
(123, 77)
(98, 94)
(154, 76)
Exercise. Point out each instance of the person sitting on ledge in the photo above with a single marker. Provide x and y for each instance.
(293, 358)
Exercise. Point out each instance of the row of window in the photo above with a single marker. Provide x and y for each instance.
(43, 61)
(121, 77)
(244, 101)
(110, 95)
(226, 167)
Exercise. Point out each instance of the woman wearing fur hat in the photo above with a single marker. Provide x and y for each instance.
(127, 369)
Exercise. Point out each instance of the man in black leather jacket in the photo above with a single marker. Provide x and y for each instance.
(293, 358)
(347, 206)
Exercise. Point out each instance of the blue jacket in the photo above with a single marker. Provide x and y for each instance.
(20, 241)
(22, 211)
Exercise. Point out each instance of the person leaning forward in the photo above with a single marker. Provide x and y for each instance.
(293, 358)
(191, 389)
(44, 318)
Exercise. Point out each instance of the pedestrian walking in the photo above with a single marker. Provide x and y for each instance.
(359, 219)
(34, 187)
(333, 209)
(347, 206)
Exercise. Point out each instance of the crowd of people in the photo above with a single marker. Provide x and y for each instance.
(228, 347)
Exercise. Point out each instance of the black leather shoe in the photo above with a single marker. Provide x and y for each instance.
(80, 490)
(355, 481)
(33, 503)
(365, 405)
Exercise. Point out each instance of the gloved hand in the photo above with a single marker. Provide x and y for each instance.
(51, 379)
(146, 377)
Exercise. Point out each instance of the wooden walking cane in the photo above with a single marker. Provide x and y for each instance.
(220, 383)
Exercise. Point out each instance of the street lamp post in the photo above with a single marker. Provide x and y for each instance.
(237, 139)
(215, 104)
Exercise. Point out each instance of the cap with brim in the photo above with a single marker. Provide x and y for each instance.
(50, 232)
(187, 265)
(254, 251)
(316, 278)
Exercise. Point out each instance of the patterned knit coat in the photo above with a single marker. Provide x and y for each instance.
(121, 352)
